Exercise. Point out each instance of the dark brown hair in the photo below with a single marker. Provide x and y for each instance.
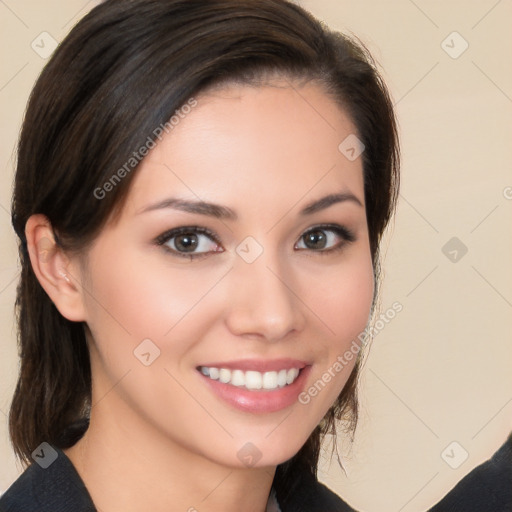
(124, 70)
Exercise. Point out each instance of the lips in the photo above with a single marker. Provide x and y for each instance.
(256, 386)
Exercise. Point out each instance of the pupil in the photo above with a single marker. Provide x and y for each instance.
(186, 242)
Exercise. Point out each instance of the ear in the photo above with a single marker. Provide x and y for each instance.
(54, 270)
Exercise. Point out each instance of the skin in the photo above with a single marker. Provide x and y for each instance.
(265, 152)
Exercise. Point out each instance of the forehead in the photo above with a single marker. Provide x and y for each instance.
(244, 145)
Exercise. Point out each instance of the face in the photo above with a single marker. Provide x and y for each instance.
(222, 329)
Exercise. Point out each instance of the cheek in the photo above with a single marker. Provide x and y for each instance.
(343, 305)
(144, 299)
(344, 301)
(136, 300)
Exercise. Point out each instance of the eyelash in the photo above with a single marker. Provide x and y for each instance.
(344, 233)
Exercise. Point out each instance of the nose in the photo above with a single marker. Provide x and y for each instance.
(264, 300)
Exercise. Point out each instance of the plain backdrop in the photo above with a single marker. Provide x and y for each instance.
(436, 391)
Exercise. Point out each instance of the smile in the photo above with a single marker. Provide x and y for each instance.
(257, 386)
(252, 380)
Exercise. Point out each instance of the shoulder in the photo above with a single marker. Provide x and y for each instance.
(487, 487)
(50, 484)
(310, 495)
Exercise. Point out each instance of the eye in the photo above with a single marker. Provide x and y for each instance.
(321, 238)
(189, 242)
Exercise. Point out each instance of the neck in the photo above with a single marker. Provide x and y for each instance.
(127, 466)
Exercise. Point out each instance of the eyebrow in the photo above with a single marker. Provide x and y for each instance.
(223, 212)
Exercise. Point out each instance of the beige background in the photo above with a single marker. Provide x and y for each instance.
(440, 371)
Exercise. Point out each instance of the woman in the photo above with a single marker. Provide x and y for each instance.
(199, 237)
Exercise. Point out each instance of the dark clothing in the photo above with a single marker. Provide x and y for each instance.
(59, 488)
(488, 488)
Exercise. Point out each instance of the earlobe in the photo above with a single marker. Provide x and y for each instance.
(54, 269)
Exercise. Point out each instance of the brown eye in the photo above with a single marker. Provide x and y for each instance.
(315, 239)
(323, 238)
(186, 243)
(189, 242)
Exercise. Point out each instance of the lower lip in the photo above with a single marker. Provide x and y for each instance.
(259, 401)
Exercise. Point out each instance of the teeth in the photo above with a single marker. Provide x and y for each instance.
(224, 375)
(291, 375)
(270, 380)
(238, 378)
(252, 380)
(281, 378)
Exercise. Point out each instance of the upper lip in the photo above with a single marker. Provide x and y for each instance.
(258, 365)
